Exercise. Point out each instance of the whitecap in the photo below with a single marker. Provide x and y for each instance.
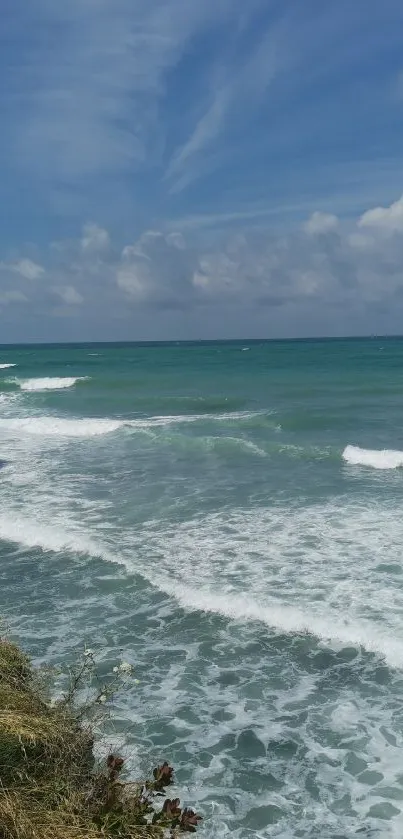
(296, 569)
(54, 383)
(6, 366)
(376, 458)
(179, 419)
(34, 533)
(286, 619)
(58, 427)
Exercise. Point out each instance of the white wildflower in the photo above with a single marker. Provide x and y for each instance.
(125, 667)
(136, 681)
(102, 698)
(115, 670)
(88, 652)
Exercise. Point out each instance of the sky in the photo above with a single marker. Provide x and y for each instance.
(200, 169)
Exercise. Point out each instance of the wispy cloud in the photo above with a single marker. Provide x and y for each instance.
(235, 86)
(201, 121)
(218, 220)
(99, 71)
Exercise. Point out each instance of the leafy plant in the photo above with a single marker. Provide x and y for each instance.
(49, 788)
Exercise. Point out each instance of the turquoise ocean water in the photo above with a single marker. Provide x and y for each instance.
(225, 515)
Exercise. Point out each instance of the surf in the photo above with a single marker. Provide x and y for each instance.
(48, 426)
(54, 383)
(330, 628)
(375, 458)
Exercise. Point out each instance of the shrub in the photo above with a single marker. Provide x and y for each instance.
(50, 787)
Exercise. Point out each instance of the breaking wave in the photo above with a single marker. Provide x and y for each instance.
(376, 458)
(57, 427)
(93, 426)
(334, 627)
(287, 619)
(55, 383)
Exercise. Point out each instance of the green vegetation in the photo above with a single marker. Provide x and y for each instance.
(50, 786)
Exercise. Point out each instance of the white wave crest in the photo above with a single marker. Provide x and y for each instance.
(48, 426)
(7, 397)
(57, 427)
(376, 458)
(6, 366)
(287, 619)
(53, 426)
(316, 569)
(184, 419)
(33, 533)
(311, 571)
(54, 383)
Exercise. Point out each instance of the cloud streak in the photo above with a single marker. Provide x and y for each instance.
(237, 164)
(100, 71)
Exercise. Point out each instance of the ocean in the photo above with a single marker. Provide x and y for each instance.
(224, 516)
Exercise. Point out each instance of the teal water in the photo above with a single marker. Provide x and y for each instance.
(198, 507)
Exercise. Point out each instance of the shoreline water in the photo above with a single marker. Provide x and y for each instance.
(192, 507)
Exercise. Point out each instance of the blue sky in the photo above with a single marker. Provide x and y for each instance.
(175, 169)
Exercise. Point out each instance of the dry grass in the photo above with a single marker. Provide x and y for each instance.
(49, 788)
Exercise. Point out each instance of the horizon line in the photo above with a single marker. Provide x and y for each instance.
(195, 341)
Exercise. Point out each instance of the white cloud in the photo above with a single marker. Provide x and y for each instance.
(321, 223)
(200, 280)
(177, 240)
(259, 267)
(12, 297)
(247, 272)
(27, 268)
(94, 238)
(385, 219)
(156, 269)
(68, 294)
(132, 277)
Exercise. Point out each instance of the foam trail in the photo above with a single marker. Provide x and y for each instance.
(378, 459)
(286, 619)
(329, 627)
(7, 397)
(32, 533)
(6, 366)
(183, 419)
(57, 427)
(245, 445)
(48, 426)
(55, 383)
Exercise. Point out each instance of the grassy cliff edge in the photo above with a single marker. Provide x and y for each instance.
(50, 786)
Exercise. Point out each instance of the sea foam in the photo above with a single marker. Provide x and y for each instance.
(315, 569)
(58, 427)
(6, 366)
(287, 619)
(376, 458)
(54, 383)
(224, 557)
(49, 426)
(34, 533)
